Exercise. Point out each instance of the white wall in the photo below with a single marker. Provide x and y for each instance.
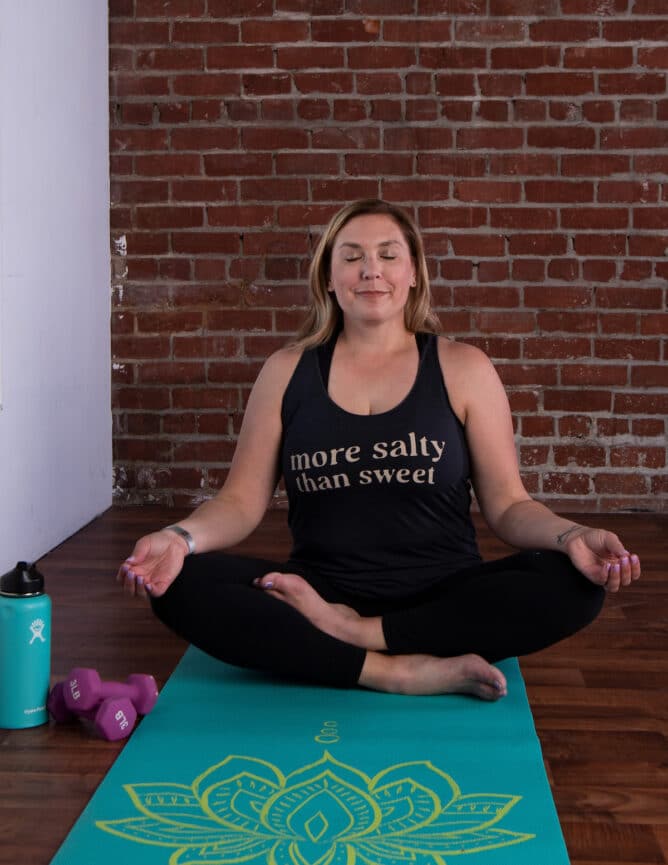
(55, 420)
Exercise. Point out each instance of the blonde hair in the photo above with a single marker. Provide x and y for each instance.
(324, 317)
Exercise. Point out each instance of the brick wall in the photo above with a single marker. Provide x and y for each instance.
(529, 138)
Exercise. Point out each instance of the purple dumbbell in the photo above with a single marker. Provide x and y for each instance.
(114, 718)
(84, 689)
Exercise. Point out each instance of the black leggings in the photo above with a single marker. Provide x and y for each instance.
(513, 606)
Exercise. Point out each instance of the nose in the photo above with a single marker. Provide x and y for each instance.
(370, 270)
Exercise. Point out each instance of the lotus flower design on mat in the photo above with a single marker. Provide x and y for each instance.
(326, 813)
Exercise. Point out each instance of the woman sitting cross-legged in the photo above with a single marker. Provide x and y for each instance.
(379, 428)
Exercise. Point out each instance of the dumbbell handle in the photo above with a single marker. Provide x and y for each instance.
(113, 718)
(81, 695)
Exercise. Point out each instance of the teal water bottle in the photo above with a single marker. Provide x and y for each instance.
(25, 647)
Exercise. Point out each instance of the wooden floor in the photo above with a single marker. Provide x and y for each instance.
(600, 699)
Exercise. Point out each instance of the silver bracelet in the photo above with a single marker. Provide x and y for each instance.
(187, 537)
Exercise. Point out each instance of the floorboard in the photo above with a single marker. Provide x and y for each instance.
(599, 699)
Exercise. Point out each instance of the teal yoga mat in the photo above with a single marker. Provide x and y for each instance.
(232, 767)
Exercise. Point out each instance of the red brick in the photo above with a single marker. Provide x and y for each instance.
(340, 30)
(504, 138)
(594, 218)
(639, 82)
(525, 56)
(537, 427)
(558, 190)
(203, 190)
(579, 455)
(566, 348)
(641, 403)
(355, 138)
(595, 165)
(567, 322)
(528, 269)
(563, 30)
(559, 83)
(648, 427)
(138, 139)
(207, 397)
(486, 295)
(566, 137)
(455, 85)
(537, 244)
(203, 32)
(638, 298)
(627, 349)
(653, 58)
(598, 111)
(381, 57)
(650, 376)
(378, 164)
(594, 374)
(452, 217)
(620, 483)
(500, 322)
(238, 164)
(451, 7)
(490, 31)
(524, 7)
(478, 190)
(566, 483)
(453, 269)
(598, 57)
(418, 138)
(523, 217)
(578, 400)
(169, 217)
(575, 426)
(314, 109)
(637, 110)
(564, 269)
(636, 271)
(205, 346)
(479, 245)
(621, 323)
(599, 271)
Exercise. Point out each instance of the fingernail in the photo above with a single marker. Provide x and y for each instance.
(635, 559)
(131, 559)
(269, 584)
(140, 581)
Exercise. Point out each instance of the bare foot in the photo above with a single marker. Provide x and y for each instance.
(337, 620)
(426, 674)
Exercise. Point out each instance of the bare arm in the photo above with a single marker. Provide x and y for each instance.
(479, 398)
(238, 508)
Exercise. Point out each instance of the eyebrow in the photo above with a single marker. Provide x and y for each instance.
(382, 243)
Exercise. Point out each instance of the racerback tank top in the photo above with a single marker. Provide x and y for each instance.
(379, 504)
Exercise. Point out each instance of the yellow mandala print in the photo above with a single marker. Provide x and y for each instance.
(326, 813)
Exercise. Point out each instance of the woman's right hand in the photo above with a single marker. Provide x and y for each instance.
(156, 561)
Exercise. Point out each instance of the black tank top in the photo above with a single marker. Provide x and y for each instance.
(379, 504)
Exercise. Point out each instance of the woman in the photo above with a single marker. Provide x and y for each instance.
(379, 427)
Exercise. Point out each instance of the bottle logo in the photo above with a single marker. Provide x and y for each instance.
(37, 629)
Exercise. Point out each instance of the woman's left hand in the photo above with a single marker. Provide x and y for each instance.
(602, 558)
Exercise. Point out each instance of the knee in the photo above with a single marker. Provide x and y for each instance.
(580, 599)
(585, 598)
(167, 606)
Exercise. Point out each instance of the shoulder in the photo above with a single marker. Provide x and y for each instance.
(461, 355)
(468, 373)
(279, 367)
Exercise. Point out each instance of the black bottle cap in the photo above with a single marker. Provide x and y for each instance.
(25, 579)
